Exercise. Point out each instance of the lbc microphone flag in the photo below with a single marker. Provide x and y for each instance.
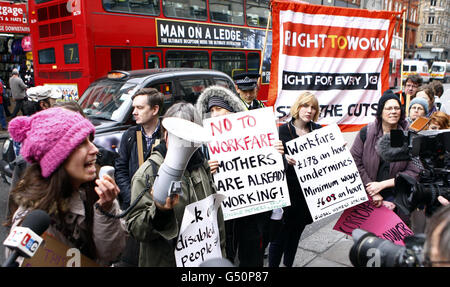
(341, 55)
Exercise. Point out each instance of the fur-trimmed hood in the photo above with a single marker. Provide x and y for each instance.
(227, 95)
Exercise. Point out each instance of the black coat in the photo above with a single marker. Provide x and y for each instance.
(297, 212)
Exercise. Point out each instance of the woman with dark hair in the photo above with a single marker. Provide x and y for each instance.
(157, 226)
(61, 180)
(304, 113)
(378, 175)
(71, 106)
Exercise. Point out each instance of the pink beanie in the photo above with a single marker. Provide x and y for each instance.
(49, 136)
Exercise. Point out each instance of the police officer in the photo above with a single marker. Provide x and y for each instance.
(247, 86)
(253, 231)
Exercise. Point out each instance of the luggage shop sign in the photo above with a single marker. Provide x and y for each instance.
(251, 171)
(327, 174)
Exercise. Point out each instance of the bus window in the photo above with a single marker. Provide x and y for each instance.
(147, 7)
(120, 59)
(253, 62)
(187, 9)
(187, 59)
(227, 11)
(47, 56)
(257, 12)
(71, 54)
(228, 62)
(153, 62)
(191, 89)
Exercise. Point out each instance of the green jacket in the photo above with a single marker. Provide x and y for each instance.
(158, 230)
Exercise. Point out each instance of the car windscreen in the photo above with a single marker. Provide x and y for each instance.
(109, 100)
(437, 68)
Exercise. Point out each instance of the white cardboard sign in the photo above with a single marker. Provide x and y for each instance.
(326, 171)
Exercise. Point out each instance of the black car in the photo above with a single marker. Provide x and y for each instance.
(107, 101)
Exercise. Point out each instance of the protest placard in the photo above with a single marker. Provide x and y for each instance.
(199, 238)
(251, 172)
(326, 172)
(339, 54)
(381, 221)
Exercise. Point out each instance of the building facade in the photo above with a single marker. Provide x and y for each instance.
(433, 41)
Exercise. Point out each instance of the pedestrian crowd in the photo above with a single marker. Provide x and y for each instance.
(57, 168)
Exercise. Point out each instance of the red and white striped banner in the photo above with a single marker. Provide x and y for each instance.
(339, 54)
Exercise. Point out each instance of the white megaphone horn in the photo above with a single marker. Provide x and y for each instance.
(184, 138)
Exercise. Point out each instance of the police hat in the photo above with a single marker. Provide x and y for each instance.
(246, 81)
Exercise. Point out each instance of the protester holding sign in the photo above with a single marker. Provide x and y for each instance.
(245, 235)
(217, 101)
(61, 181)
(156, 226)
(304, 113)
(378, 175)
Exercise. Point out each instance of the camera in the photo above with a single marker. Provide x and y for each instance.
(369, 250)
(430, 150)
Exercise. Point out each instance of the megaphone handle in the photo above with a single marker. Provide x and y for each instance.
(175, 188)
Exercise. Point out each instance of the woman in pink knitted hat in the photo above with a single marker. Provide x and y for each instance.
(61, 180)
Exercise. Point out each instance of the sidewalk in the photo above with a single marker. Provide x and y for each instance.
(324, 248)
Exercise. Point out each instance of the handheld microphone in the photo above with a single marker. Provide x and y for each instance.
(25, 239)
(391, 153)
(107, 169)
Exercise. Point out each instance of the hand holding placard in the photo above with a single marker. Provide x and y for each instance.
(326, 171)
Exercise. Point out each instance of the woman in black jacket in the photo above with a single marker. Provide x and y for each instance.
(304, 113)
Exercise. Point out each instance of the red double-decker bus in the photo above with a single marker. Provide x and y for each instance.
(78, 41)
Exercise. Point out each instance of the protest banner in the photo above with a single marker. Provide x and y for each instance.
(251, 172)
(381, 221)
(339, 54)
(326, 172)
(199, 238)
(54, 253)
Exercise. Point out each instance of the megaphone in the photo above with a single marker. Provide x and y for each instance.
(184, 138)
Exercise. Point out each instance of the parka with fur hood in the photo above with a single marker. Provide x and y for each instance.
(227, 95)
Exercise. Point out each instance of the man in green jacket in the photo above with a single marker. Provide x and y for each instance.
(157, 227)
